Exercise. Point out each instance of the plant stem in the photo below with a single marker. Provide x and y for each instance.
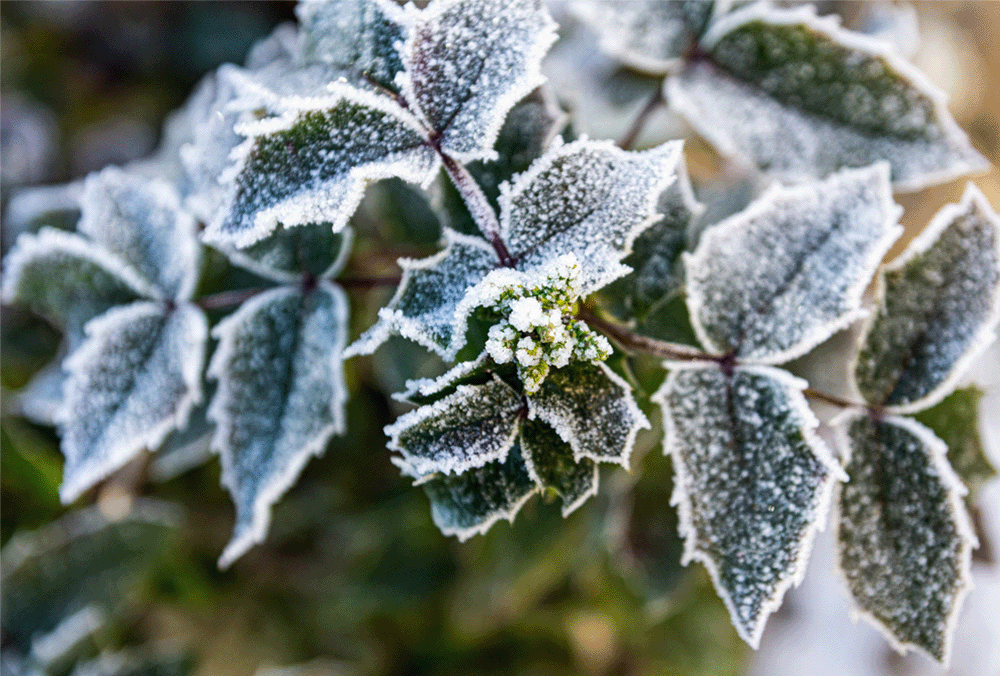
(633, 341)
(831, 399)
(368, 282)
(226, 299)
(480, 207)
(628, 138)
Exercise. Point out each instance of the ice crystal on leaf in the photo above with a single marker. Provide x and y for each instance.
(799, 96)
(938, 305)
(775, 280)
(904, 535)
(753, 481)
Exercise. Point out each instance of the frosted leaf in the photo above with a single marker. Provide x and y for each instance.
(592, 409)
(753, 481)
(132, 382)
(775, 280)
(281, 45)
(468, 62)
(41, 400)
(905, 538)
(468, 504)
(141, 220)
(311, 163)
(289, 253)
(551, 464)
(588, 198)
(263, 92)
(475, 425)
(425, 308)
(650, 35)
(280, 397)
(68, 279)
(938, 305)
(427, 390)
(31, 208)
(185, 448)
(798, 96)
(955, 420)
(656, 253)
(357, 34)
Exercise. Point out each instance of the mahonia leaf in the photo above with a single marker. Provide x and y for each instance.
(360, 35)
(656, 253)
(280, 397)
(550, 463)
(132, 382)
(955, 420)
(428, 390)
(649, 35)
(425, 307)
(470, 503)
(937, 308)
(41, 399)
(29, 209)
(469, 428)
(753, 481)
(69, 279)
(799, 96)
(905, 538)
(467, 62)
(591, 408)
(311, 162)
(775, 280)
(141, 220)
(287, 254)
(185, 448)
(283, 44)
(588, 198)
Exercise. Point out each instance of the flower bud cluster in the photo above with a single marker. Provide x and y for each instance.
(538, 329)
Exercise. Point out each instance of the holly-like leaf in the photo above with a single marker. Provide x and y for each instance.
(475, 425)
(592, 409)
(470, 503)
(425, 308)
(30, 209)
(287, 254)
(133, 381)
(69, 280)
(359, 35)
(311, 163)
(550, 463)
(422, 391)
(649, 35)
(955, 420)
(775, 280)
(905, 538)
(467, 62)
(656, 253)
(41, 400)
(588, 198)
(937, 308)
(141, 220)
(753, 482)
(799, 96)
(280, 397)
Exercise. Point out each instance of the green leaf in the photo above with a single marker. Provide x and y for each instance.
(281, 396)
(937, 308)
(359, 35)
(798, 96)
(133, 381)
(592, 409)
(468, 504)
(753, 481)
(551, 465)
(467, 62)
(780, 277)
(649, 35)
(475, 425)
(955, 420)
(69, 279)
(311, 163)
(588, 198)
(289, 254)
(905, 538)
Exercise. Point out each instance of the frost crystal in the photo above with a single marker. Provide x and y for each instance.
(753, 482)
(798, 96)
(537, 328)
(905, 538)
(938, 307)
(775, 280)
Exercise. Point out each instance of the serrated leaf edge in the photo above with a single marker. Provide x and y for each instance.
(617, 48)
(567, 507)
(938, 452)
(879, 172)
(428, 387)
(823, 498)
